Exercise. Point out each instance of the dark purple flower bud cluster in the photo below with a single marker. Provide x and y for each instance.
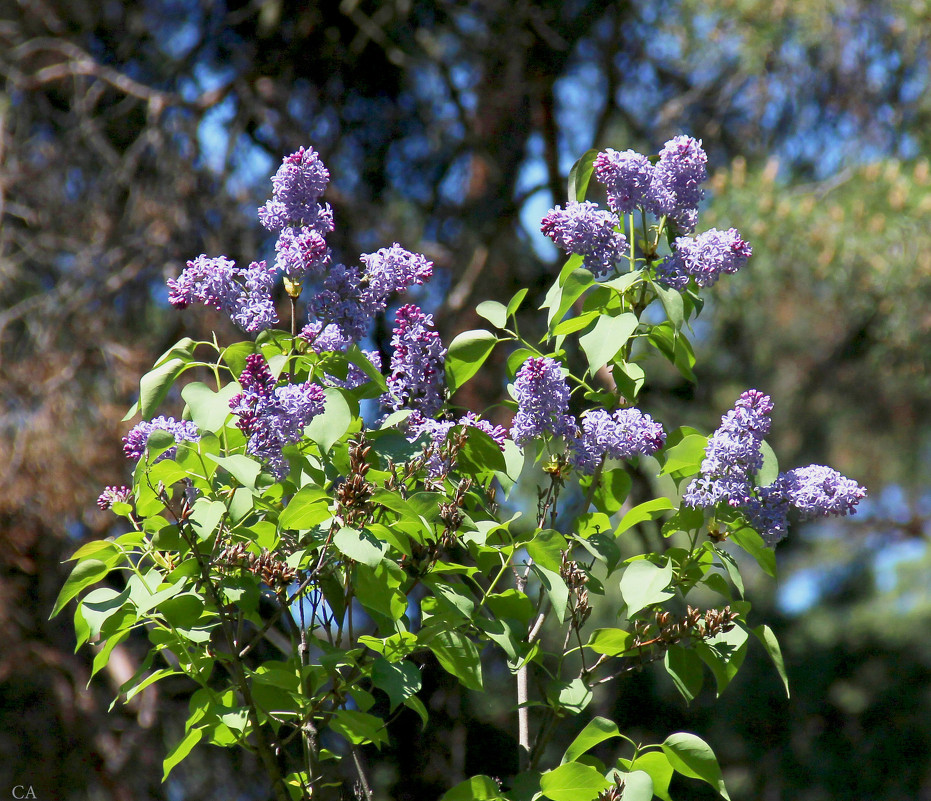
(418, 373)
(542, 402)
(244, 294)
(705, 257)
(112, 495)
(734, 456)
(439, 464)
(183, 431)
(273, 416)
(588, 231)
(626, 433)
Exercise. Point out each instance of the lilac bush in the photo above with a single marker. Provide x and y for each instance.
(376, 520)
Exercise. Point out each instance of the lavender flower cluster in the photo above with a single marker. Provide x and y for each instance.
(418, 372)
(543, 408)
(273, 416)
(734, 456)
(135, 440)
(439, 462)
(670, 188)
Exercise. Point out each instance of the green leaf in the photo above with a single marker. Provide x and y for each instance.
(629, 377)
(685, 669)
(685, 457)
(724, 654)
(613, 490)
(478, 788)
(85, 573)
(560, 298)
(360, 728)
(609, 335)
(459, 657)
(546, 549)
(302, 512)
(359, 545)
(596, 731)
(769, 472)
(240, 467)
(480, 453)
(753, 544)
(399, 680)
(573, 782)
(514, 303)
(181, 750)
(638, 786)
(643, 584)
(673, 304)
(355, 355)
(206, 516)
(612, 642)
(766, 636)
(573, 324)
(209, 409)
(691, 756)
(329, 427)
(649, 510)
(378, 591)
(656, 764)
(675, 347)
(466, 355)
(103, 550)
(154, 385)
(581, 174)
(556, 589)
(496, 313)
(102, 604)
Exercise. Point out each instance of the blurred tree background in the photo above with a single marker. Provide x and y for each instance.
(136, 135)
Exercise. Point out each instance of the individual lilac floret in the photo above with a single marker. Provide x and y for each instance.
(394, 269)
(626, 433)
(588, 231)
(302, 253)
(271, 416)
(135, 440)
(112, 495)
(733, 454)
(542, 402)
(325, 338)
(677, 178)
(244, 294)
(418, 374)
(296, 187)
(705, 258)
(627, 178)
(440, 463)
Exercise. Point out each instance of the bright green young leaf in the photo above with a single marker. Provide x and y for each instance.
(768, 473)
(612, 642)
(303, 510)
(724, 654)
(612, 491)
(154, 385)
(378, 591)
(638, 786)
(657, 765)
(181, 750)
(643, 583)
(546, 549)
(571, 696)
(240, 467)
(496, 313)
(766, 636)
(85, 573)
(649, 510)
(560, 298)
(329, 427)
(478, 788)
(675, 347)
(556, 589)
(609, 335)
(355, 355)
(466, 355)
(580, 174)
(673, 304)
(514, 303)
(102, 604)
(573, 782)
(691, 756)
(753, 544)
(206, 516)
(685, 457)
(209, 409)
(360, 728)
(596, 731)
(573, 324)
(629, 377)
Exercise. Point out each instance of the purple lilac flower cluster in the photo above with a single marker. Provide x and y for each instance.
(734, 456)
(706, 257)
(244, 294)
(670, 188)
(112, 495)
(626, 433)
(418, 372)
(437, 431)
(588, 231)
(183, 431)
(271, 416)
(542, 402)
